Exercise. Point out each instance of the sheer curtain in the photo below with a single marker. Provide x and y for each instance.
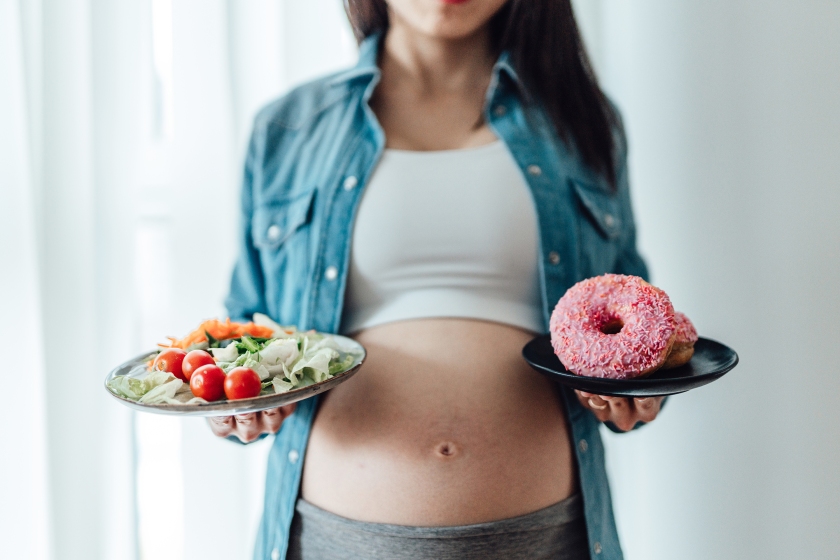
(24, 520)
(122, 131)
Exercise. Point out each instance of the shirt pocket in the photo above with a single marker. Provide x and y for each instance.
(599, 228)
(276, 222)
(281, 232)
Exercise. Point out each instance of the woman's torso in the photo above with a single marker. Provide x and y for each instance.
(445, 425)
(445, 417)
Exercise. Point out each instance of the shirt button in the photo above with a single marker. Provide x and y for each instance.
(535, 170)
(609, 220)
(500, 110)
(597, 547)
(293, 456)
(331, 273)
(275, 554)
(273, 233)
(583, 446)
(350, 183)
(554, 258)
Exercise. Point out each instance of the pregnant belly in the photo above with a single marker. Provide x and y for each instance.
(444, 425)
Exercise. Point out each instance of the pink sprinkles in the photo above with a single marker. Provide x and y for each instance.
(686, 333)
(640, 347)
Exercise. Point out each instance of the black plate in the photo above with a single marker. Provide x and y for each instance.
(711, 361)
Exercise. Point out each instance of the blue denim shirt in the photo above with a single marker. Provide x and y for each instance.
(311, 154)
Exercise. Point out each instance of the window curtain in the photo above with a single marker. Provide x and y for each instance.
(122, 134)
(24, 520)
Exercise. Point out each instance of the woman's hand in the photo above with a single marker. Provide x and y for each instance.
(248, 427)
(621, 411)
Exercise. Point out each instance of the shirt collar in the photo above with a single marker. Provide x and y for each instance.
(368, 67)
(505, 66)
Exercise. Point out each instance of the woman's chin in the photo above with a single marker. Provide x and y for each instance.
(445, 19)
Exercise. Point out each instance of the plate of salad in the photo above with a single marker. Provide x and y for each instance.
(224, 368)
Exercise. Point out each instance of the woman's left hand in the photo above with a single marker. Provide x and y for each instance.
(621, 411)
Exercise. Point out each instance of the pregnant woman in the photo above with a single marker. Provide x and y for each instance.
(434, 202)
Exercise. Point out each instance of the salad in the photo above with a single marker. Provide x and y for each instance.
(225, 359)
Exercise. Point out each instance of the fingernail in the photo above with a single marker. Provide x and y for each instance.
(595, 406)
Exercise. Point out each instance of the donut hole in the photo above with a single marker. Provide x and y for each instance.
(613, 326)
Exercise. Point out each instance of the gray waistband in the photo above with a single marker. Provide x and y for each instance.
(566, 511)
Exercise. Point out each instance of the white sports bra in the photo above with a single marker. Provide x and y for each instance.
(445, 234)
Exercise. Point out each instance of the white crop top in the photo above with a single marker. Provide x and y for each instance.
(445, 234)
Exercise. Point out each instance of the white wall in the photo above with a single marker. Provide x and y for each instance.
(733, 114)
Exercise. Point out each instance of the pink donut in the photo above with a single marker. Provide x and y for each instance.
(686, 333)
(684, 339)
(613, 326)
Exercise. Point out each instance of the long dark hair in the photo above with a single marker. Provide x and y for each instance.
(547, 52)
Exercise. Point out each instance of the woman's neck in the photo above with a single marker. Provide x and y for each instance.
(431, 96)
(437, 65)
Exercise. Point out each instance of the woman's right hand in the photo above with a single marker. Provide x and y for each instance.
(249, 427)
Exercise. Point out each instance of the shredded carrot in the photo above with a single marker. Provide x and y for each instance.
(220, 331)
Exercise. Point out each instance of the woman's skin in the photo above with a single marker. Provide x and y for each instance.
(445, 424)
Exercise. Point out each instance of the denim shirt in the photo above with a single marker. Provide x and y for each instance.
(311, 154)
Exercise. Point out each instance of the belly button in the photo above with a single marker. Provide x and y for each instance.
(446, 449)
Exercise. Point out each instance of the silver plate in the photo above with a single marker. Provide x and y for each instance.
(240, 406)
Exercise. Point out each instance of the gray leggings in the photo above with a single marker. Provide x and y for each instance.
(557, 532)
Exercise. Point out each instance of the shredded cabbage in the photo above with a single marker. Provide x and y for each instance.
(158, 387)
(227, 354)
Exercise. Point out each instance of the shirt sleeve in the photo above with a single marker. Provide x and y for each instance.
(247, 286)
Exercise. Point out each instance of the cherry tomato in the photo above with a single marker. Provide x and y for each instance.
(208, 383)
(194, 360)
(171, 360)
(242, 383)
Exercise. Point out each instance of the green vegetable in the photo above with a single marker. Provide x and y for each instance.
(211, 342)
(336, 367)
(250, 344)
